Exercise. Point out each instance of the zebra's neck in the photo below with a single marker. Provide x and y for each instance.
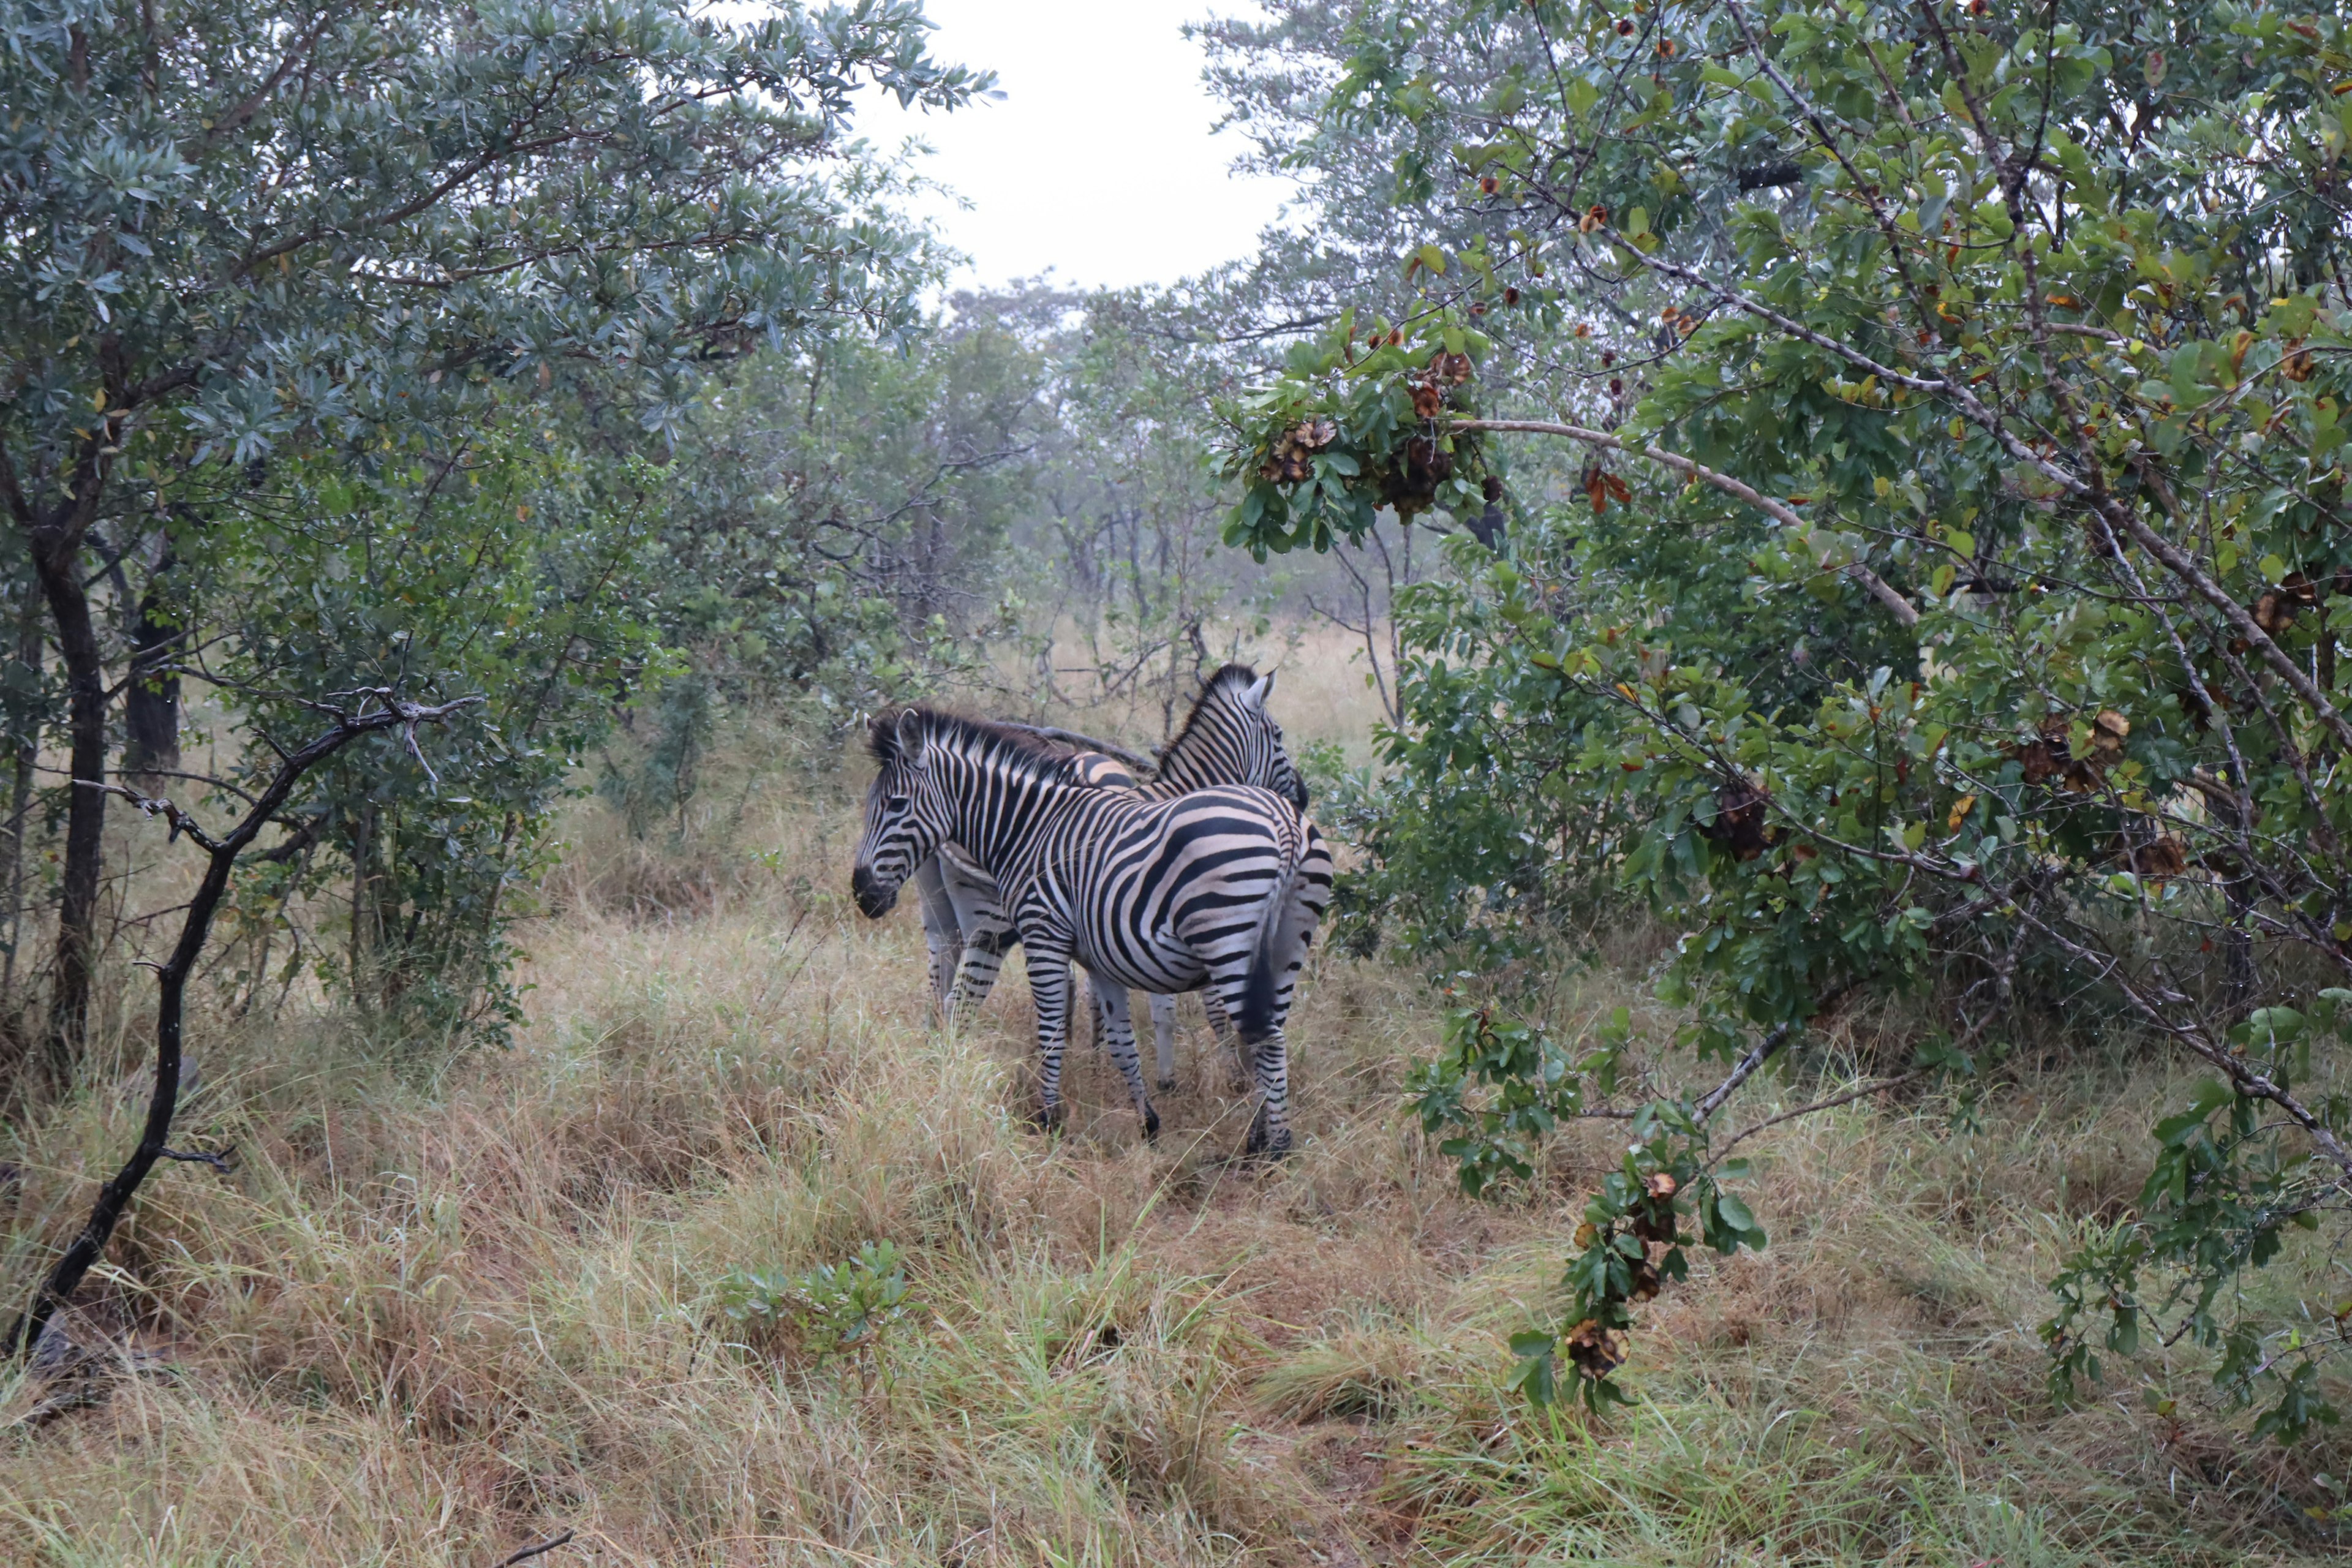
(1207, 753)
(995, 805)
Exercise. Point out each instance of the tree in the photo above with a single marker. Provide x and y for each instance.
(237, 226)
(1948, 606)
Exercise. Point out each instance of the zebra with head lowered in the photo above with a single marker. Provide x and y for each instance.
(1221, 889)
(1230, 737)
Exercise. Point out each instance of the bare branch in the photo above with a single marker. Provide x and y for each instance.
(545, 1547)
(1779, 512)
(1831, 1103)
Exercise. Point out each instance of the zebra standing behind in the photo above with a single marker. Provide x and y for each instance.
(1219, 889)
(1230, 737)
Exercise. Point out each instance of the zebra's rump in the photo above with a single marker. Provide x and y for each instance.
(1153, 893)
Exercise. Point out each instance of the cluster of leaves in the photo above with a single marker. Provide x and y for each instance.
(1498, 1087)
(2220, 1200)
(495, 564)
(833, 1310)
(264, 255)
(1961, 617)
(1354, 425)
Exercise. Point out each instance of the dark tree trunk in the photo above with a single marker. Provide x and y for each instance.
(150, 704)
(24, 716)
(59, 565)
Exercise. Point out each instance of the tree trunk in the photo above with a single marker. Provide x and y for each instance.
(150, 704)
(362, 949)
(60, 571)
(23, 747)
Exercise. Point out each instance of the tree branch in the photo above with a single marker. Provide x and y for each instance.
(1779, 512)
(380, 710)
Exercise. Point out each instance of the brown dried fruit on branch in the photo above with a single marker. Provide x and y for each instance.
(1654, 1221)
(2276, 608)
(1740, 824)
(1428, 402)
(2164, 858)
(2051, 753)
(1646, 1280)
(1412, 486)
(1596, 1351)
(2108, 732)
(1661, 1185)
(1290, 460)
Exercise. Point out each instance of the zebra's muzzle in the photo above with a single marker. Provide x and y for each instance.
(874, 899)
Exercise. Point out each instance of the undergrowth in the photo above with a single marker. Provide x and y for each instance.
(443, 1309)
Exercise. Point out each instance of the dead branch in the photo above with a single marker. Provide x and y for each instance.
(541, 1549)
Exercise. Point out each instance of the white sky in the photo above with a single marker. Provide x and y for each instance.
(1098, 162)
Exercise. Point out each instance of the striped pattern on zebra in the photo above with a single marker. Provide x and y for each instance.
(965, 927)
(1229, 737)
(1219, 889)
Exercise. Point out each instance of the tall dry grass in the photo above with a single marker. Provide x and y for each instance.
(1324, 688)
(443, 1310)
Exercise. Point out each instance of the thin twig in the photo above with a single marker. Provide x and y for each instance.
(545, 1547)
(1779, 512)
(1829, 1104)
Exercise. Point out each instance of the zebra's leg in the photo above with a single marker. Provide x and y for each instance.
(1120, 1032)
(940, 936)
(1270, 1131)
(1221, 1026)
(976, 971)
(1049, 983)
(1164, 1038)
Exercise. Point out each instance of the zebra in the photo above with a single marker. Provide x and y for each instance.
(1221, 889)
(1229, 737)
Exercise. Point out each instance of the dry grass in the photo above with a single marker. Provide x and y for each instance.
(1323, 686)
(445, 1309)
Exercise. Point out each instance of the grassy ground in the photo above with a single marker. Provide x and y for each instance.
(443, 1311)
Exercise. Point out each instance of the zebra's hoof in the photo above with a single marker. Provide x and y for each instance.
(1273, 1150)
(1150, 1125)
(1166, 1086)
(1046, 1119)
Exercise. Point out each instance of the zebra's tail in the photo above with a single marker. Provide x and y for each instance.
(1257, 1019)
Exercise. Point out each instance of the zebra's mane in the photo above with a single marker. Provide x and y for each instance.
(1228, 680)
(966, 734)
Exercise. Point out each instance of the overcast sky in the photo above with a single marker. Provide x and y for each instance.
(1098, 161)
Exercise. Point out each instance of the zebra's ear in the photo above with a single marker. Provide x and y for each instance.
(911, 740)
(1258, 691)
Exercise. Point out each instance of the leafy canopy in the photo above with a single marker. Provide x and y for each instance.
(1946, 602)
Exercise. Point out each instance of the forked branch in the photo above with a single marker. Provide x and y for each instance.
(378, 710)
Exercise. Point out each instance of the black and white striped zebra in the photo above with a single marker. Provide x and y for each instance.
(1230, 737)
(1219, 889)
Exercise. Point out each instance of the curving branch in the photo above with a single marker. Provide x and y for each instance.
(1779, 510)
(378, 710)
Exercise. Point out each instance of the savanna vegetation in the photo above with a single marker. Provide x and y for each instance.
(1801, 544)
